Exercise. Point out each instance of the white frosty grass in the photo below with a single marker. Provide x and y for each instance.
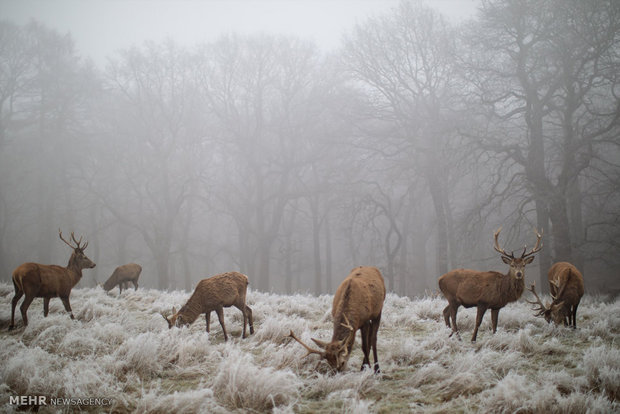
(119, 347)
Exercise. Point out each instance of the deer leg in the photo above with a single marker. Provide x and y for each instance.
(135, 284)
(120, 288)
(220, 316)
(574, 315)
(365, 331)
(65, 301)
(24, 308)
(46, 306)
(241, 307)
(16, 298)
(250, 318)
(481, 310)
(453, 309)
(494, 316)
(374, 328)
(208, 319)
(446, 315)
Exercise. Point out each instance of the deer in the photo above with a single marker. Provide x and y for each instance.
(122, 276)
(214, 294)
(49, 281)
(566, 288)
(357, 305)
(486, 290)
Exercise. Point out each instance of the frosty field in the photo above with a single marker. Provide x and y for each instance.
(121, 348)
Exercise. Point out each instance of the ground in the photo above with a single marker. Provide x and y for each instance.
(120, 348)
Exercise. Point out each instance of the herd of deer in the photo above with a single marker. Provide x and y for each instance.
(357, 303)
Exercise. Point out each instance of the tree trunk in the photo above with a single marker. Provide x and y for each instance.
(328, 255)
(316, 244)
(560, 229)
(576, 223)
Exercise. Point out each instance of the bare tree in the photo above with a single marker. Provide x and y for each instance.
(540, 69)
(263, 102)
(152, 132)
(405, 58)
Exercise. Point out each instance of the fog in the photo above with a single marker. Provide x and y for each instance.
(401, 136)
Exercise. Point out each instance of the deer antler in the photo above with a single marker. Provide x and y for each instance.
(496, 245)
(63, 239)
(77, 242)
(537, 247)
(308, 349)
(557, 286)
(347, 324)
(541, 307)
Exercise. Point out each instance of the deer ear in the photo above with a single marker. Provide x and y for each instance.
(506, 260)
(174, 310)
(529, 260)
(320, 343)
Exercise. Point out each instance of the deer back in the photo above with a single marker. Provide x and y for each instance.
(565, 283)
(471, 287)
(223, 290)
(44, 280)
(125, 273)
(358, 299)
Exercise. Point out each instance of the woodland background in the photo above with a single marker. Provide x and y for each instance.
(404, 149)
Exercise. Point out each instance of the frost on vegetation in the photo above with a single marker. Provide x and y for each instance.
(28, 371)
(200, 400)
(602, 367)
(120, 347)
(241, 384)
(356, 383)
(139, 354)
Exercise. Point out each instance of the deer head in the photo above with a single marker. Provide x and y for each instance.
(336, 353)
(78, 258)
(175, 319)
(517, 264)
(551, 311)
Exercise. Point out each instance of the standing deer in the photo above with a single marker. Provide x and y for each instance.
(122, 276)
(566, 287)
(357, 304)
(214, 294)
(486, 290)
(49, 281)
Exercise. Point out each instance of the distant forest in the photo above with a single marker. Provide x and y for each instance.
(404, 149)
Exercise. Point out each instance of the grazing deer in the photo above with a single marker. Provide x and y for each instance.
(357, 304)
(214, 294)
(49, 281)
(566, 287)
(122, 276)
(486, 290)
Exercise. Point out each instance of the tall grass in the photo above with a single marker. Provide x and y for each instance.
(119, 347)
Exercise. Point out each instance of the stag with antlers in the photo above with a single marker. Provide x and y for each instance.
(357, 304)
(566, 287)
(49, 281)
(486, 290)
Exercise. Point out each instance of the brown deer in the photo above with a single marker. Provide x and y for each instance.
(49, 281)
(122, 276)
(357, 304)
(214, 294)
(566, 288)
(486, 290)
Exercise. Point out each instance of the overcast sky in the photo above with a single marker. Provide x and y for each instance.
(102, 27)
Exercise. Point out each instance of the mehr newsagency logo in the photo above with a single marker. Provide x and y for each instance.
(38, 400)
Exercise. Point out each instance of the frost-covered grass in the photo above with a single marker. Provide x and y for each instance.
(121, 348)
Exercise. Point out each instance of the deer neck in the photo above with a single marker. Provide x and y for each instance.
(74, 270)
(341, 331)
(191, 310)
(512, 287)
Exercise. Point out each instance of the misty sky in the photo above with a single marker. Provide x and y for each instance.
(101, 28)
